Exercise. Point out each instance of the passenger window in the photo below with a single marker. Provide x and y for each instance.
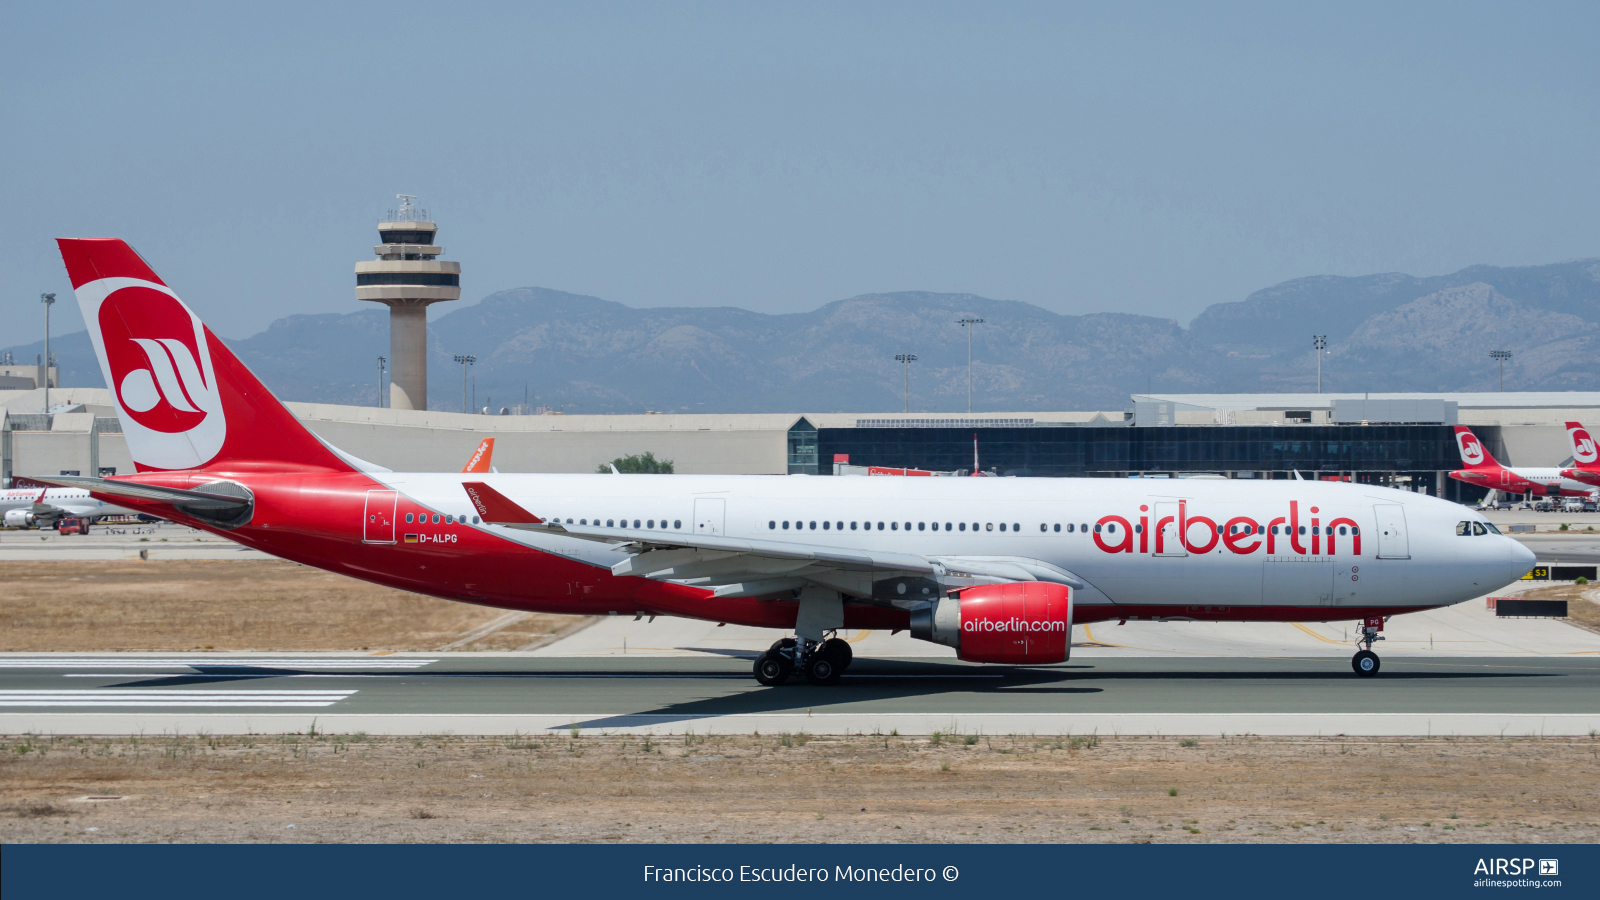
(825, 526)
(408, 518)
(1342, 529)
(852, 526)
(1097, 529)
(785, 524)
(435, 518)
(989, 527)
(893, 526)
(1043, 527)
(922, 526)
(839, 526)
(813, 526)
(908, 526)
(772, 526)
(1071, 528)
(1084, 526)
(1138, 529)
(1016, 526)
(636, 523)
(650, 524)
(947, 526)
(608, 523)
(963, 526)
(1058, 527)
(1111, 528)
(1302, 529)
(475, 520)
(1002, 526)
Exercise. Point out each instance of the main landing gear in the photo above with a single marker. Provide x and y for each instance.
(1365, 662)
(821, 663)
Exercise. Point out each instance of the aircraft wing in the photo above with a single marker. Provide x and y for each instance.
(741, 567)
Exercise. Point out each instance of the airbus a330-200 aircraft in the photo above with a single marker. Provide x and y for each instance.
(997, 568)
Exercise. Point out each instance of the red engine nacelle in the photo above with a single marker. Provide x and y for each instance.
(1022, 623)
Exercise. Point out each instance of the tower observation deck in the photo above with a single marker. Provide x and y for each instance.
(408, 277)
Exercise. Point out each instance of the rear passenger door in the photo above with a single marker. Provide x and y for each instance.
(378, 522)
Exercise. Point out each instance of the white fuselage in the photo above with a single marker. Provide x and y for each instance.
(1410, 553)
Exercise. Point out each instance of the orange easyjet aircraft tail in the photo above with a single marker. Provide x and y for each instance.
(482, 458)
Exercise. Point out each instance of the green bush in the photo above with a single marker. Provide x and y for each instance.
(1582, 580)
(638, 464)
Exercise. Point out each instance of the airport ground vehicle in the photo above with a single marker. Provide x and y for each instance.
(72, 525)
(997, 568)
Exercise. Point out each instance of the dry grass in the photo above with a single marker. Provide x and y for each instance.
(232, 605)
(1583, 603)
(867, 788)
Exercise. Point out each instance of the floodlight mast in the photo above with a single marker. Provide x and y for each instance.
(1500, 356)
(1320, 342)
(907, 359)
(48, 300)
(382, 362)
(465, 361)
(967, 324)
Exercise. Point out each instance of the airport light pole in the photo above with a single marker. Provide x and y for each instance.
(382, 362)
(907, 359)
(48, 300)
(1499, 356)
(967, 324)
(1319, 341)
(465, 361)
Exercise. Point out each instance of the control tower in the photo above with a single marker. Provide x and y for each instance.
(408, 277)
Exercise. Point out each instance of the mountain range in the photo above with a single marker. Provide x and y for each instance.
(580, 354)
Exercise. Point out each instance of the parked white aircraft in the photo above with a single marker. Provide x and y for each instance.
(22, 507)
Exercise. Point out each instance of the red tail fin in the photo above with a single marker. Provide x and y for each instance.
(483, 458)
(185, 401)
(1474, 455)
(1584, 452)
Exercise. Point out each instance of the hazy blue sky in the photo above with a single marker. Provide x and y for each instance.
(1144, 158)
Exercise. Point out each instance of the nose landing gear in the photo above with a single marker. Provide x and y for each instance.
(1366, 663)
(821, 662)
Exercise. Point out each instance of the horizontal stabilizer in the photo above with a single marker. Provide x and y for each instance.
(135, 491)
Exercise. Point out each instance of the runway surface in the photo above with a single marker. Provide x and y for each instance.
(480, 694)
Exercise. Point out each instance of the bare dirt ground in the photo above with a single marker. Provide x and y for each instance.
(235, 605)
(791, 788)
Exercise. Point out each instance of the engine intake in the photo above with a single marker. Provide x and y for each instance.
(1025, 622)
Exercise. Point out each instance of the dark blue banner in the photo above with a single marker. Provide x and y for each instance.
(642, 870)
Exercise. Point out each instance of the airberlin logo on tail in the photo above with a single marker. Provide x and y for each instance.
(1583, 449)
(1471, 448)
(159, 364)
(1177, 531)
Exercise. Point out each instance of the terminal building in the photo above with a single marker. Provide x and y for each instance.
(1401, 440)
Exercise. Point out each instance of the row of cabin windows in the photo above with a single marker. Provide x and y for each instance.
(448, 519)
(623, 523)
(775, 525)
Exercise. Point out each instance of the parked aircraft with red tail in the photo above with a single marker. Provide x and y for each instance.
(1585, 457)
(997, 568)
(1480, 468)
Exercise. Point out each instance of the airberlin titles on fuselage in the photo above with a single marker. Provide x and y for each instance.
(1241, 534)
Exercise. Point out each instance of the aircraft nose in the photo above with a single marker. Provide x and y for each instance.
(1522, 559)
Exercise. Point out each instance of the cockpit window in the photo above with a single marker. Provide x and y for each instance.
(1463, 528)
(1492, 529)
(1477, 528)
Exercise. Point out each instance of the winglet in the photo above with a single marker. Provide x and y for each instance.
(496, 508)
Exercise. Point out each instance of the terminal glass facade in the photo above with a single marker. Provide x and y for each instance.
(1122, 451)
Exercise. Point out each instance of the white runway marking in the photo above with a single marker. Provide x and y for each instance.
(223, 662)
(171, 698)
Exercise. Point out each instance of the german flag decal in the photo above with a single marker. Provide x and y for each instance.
(411, 539)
